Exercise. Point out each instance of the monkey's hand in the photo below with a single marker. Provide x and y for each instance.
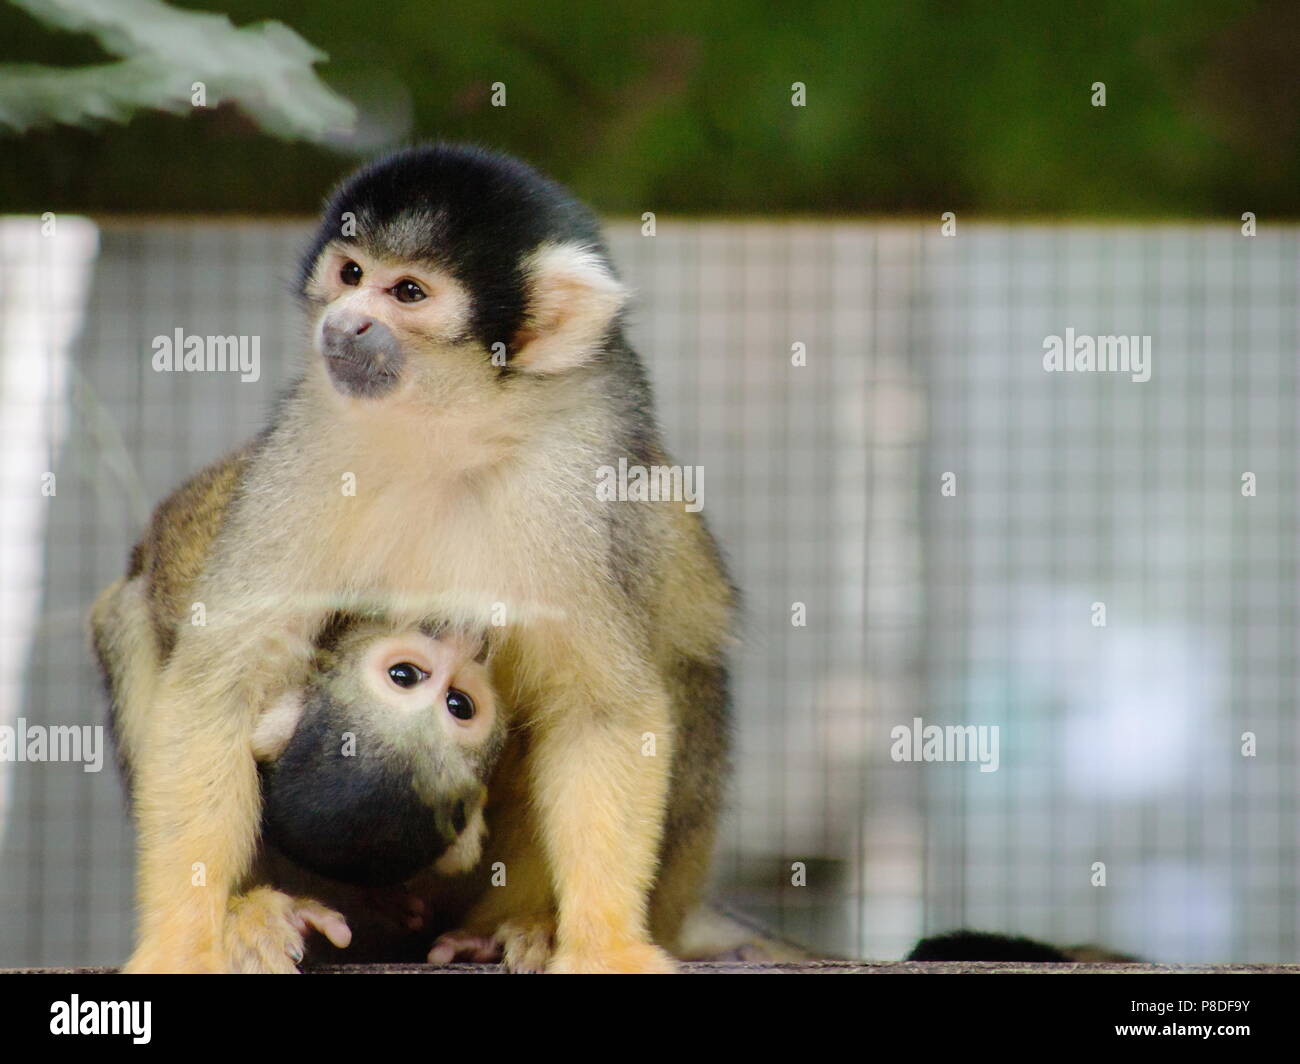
(527, 944)
(464, 946)
(266, 930)
(523, 945)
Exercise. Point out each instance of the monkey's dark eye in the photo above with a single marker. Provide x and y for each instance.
(408, 292)
(405, 674)
(350, 274)
(459, 704)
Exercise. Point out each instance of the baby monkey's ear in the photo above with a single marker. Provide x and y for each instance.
(573, 299)
(276, 725)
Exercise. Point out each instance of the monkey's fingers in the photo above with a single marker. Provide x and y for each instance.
(462, 946)
(308, 915)
(266, 928)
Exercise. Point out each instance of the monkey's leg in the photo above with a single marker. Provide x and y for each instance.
(601, 803)
(523, 946)
(524, 943)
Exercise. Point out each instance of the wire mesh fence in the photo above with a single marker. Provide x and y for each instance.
(929, 527)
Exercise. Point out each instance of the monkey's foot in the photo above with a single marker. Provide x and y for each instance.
(523, 946)
(464, 946)
(633, 958)
(266, 930)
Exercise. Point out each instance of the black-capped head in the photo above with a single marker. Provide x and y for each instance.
(446, 247)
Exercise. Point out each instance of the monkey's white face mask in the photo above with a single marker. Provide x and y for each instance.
(390, 328)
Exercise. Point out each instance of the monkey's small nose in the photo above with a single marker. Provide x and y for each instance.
(344, 327)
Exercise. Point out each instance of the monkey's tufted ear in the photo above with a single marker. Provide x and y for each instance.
(276, 725)
(572, 301)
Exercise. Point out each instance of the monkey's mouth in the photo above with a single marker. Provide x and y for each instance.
(358, 377)
(354, 365)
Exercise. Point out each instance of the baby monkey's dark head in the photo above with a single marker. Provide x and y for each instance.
(377, 767)
(437, 268)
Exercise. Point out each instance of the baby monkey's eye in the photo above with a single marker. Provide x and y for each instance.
(407, 292)
(404, 674)
(350, 274)
(459, 704)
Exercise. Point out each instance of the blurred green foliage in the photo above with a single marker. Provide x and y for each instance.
(913, 106)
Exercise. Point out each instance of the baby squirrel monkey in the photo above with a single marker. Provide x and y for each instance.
(439, 455)
(373, 769)
(373, 772)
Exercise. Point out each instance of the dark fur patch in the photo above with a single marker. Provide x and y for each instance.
(983, 946)
(356, 819)
(701, 764)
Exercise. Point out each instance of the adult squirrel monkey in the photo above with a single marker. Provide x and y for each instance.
(439, 456)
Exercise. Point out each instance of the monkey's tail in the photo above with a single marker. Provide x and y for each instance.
(968, 945)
